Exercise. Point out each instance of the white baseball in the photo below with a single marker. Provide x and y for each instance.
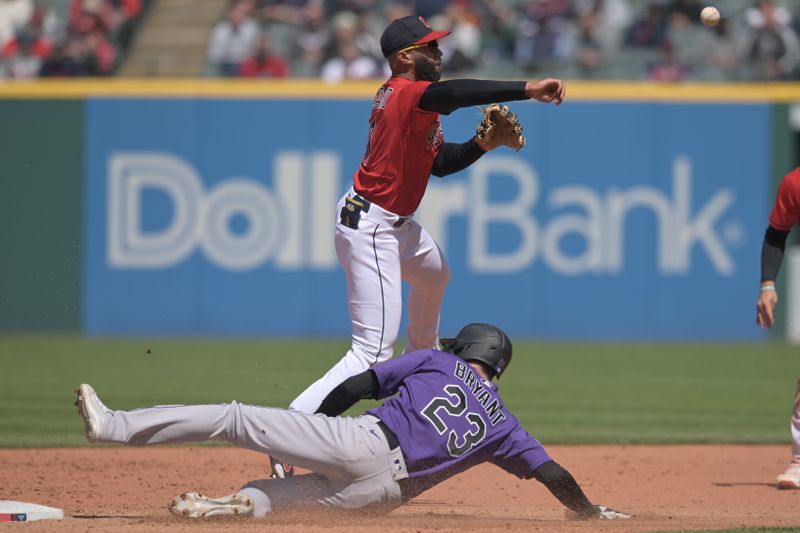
(710, 16)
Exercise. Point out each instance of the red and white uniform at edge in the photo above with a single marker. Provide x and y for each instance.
(786, 211)
(402, 145)
(785, 214)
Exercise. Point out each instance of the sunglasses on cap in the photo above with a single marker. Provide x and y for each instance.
(434, 45)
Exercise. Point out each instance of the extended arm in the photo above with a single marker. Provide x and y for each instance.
(564, 488)
(772, 251)
(359, 387)
(568, 492)
(447, 96)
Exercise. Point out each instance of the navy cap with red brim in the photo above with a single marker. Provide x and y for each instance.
(432, 36)
(407, 31)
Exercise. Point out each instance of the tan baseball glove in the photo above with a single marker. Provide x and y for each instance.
(500, 127)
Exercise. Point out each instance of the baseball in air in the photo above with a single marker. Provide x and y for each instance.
(710, 16)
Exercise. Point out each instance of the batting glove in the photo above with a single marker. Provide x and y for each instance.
(601, 512)
(604, 513)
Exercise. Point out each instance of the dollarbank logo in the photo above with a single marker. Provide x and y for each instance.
(240, 223)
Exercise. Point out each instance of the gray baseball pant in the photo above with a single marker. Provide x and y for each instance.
(351, 460)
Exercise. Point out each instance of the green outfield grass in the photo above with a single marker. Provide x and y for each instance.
(562, 393)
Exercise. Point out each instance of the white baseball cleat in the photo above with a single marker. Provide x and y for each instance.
(791, 478)
(196, 505)
(92, 410)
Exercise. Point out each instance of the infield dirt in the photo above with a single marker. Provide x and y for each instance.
(666, 487)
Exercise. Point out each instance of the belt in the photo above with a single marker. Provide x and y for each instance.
(391, 439)
(366, 205)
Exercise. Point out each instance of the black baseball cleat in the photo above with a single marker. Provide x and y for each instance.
(280, 469)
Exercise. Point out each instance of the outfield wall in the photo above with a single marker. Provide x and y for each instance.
(41, 169)
(635, 212)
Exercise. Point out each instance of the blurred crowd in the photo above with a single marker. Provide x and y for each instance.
(584, 39)
(40, 38)
(339, 39)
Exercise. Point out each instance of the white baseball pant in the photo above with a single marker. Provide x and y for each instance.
(376, 257)
(350, 457)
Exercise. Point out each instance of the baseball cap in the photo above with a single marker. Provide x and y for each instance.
(406, 31)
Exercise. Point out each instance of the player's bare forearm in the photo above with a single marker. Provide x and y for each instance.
(765, 308)
(549, 90)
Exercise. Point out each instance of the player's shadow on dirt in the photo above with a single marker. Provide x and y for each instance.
(745, 484)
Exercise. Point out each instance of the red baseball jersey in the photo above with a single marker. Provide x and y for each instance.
(786, 211)
(402, 143)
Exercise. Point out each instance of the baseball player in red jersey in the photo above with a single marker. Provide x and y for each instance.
(785, 214)
(378, 242)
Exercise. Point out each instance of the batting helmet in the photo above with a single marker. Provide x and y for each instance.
(484, 343)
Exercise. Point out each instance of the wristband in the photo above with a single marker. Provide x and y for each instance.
(766, 288)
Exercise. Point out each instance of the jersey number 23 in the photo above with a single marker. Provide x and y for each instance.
(455, 404)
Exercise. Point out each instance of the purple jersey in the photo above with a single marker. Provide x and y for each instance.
(447, 419)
